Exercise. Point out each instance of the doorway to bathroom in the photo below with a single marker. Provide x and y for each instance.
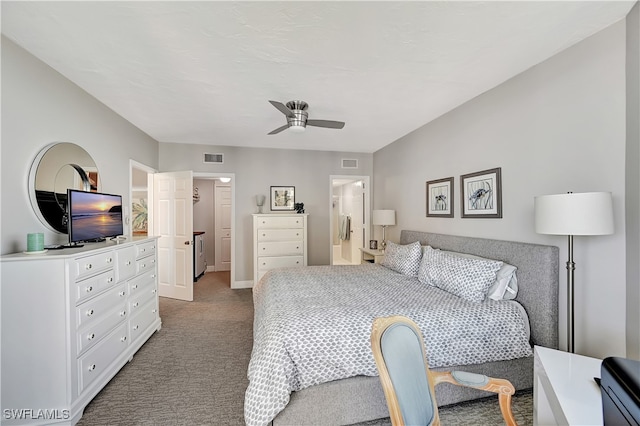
(349, 218)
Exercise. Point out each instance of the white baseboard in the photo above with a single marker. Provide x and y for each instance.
(242, 284)
(211, 268)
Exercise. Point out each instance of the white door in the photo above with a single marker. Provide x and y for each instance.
(173, 223)
(223, 228)
(357, 222)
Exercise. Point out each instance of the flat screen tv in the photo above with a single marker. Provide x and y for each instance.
(93, 216)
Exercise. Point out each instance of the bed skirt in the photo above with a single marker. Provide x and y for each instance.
(360, 399)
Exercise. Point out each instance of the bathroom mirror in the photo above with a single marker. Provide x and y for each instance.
(56, 168)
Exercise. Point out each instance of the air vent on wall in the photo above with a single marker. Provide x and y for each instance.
(349, 163)
(214, 158)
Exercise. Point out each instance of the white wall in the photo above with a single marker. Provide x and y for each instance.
(633, 183)
(257, 169)
(557, 127)
(40, 106)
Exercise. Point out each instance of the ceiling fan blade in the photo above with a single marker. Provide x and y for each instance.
(283, 108)
(278, 130)
(326, 123)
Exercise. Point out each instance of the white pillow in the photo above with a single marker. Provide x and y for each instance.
(402, 258)
(465, 277)
(505, 287)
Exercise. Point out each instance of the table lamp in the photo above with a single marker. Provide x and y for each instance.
(588, 213)
(384, 218)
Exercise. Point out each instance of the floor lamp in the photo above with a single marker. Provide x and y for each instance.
(588, 213)
(384, 218)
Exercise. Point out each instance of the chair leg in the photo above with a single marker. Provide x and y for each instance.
(505, 409)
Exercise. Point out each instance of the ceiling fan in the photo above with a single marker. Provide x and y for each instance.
(297, 117)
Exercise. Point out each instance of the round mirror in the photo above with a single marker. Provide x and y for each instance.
(58, 167)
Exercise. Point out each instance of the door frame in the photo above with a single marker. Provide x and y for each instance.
(212, 175)
(367, 207)
(128, 213)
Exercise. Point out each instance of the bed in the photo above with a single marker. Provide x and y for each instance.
(315, 340)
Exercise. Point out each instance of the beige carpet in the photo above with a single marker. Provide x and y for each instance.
(193, 372)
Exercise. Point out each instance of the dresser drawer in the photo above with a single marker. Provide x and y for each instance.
(280, 222)
(280, 235)
(145, 249)
(146, 264)
(143, 319)
(280, 248)
(266, 263)
(126, 261)
(137, 301)
(141, 282)
(95, 362)
(94, 285)
(94, 309)
(91, 335)
(87, 266)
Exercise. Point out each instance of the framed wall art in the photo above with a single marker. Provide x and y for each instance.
(440, 198)
(481, 194)
(282, 198)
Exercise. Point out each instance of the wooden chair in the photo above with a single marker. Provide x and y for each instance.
(408, 383)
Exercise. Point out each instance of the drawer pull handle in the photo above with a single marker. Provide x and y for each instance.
(264, 235)
(91, 336)
(88, 266)
(134, 286)
(123, 339)
(264, 263)
(153, 276)
(297, 247)
(110, 280)
(153, 291)
(92, 367)
(109, 260)
(135, 305)
(90, 312)
(297, 262)
(123, 313)
(122, 293)
(142, 250)
(144, 265)
(153, 261)
(128, 262)
(89, 289)
(135, 327)
(153, 311)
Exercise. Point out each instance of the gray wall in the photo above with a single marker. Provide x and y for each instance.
(255, 171)
(633, 183)
(40, 106)
(560, 126)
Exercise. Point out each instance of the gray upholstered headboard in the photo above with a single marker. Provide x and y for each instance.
(537, 275)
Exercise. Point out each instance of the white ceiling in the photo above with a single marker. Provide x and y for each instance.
(203, 72)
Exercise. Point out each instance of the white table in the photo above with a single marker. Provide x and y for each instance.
(564, 392)
(371, 255)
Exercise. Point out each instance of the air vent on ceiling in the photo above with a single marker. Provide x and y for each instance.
(349, 163)
(214, 158)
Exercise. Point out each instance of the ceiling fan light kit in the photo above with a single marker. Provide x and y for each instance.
(298, 118)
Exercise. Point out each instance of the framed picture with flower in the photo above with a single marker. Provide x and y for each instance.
(440, 198)
(481, 194)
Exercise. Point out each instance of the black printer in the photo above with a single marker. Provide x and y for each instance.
(620, 383)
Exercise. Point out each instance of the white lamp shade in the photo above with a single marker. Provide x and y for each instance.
(384, 217)
(587, 213)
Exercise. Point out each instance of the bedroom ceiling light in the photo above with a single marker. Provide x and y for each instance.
(384, 218)
(225, 179)
(589, 213)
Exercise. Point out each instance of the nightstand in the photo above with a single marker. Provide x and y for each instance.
(564, 392)
(371, 256)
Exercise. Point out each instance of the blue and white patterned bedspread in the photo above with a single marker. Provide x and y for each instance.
(313, 324)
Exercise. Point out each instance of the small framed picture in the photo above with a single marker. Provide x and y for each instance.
(282, 198)
(481, 194)
(440, 197)
(373, 244)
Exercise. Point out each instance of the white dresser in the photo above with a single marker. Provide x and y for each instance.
(279, 240)
(71, 319)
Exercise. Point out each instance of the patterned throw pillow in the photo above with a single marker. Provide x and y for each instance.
(467, 278)
(402, 258)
